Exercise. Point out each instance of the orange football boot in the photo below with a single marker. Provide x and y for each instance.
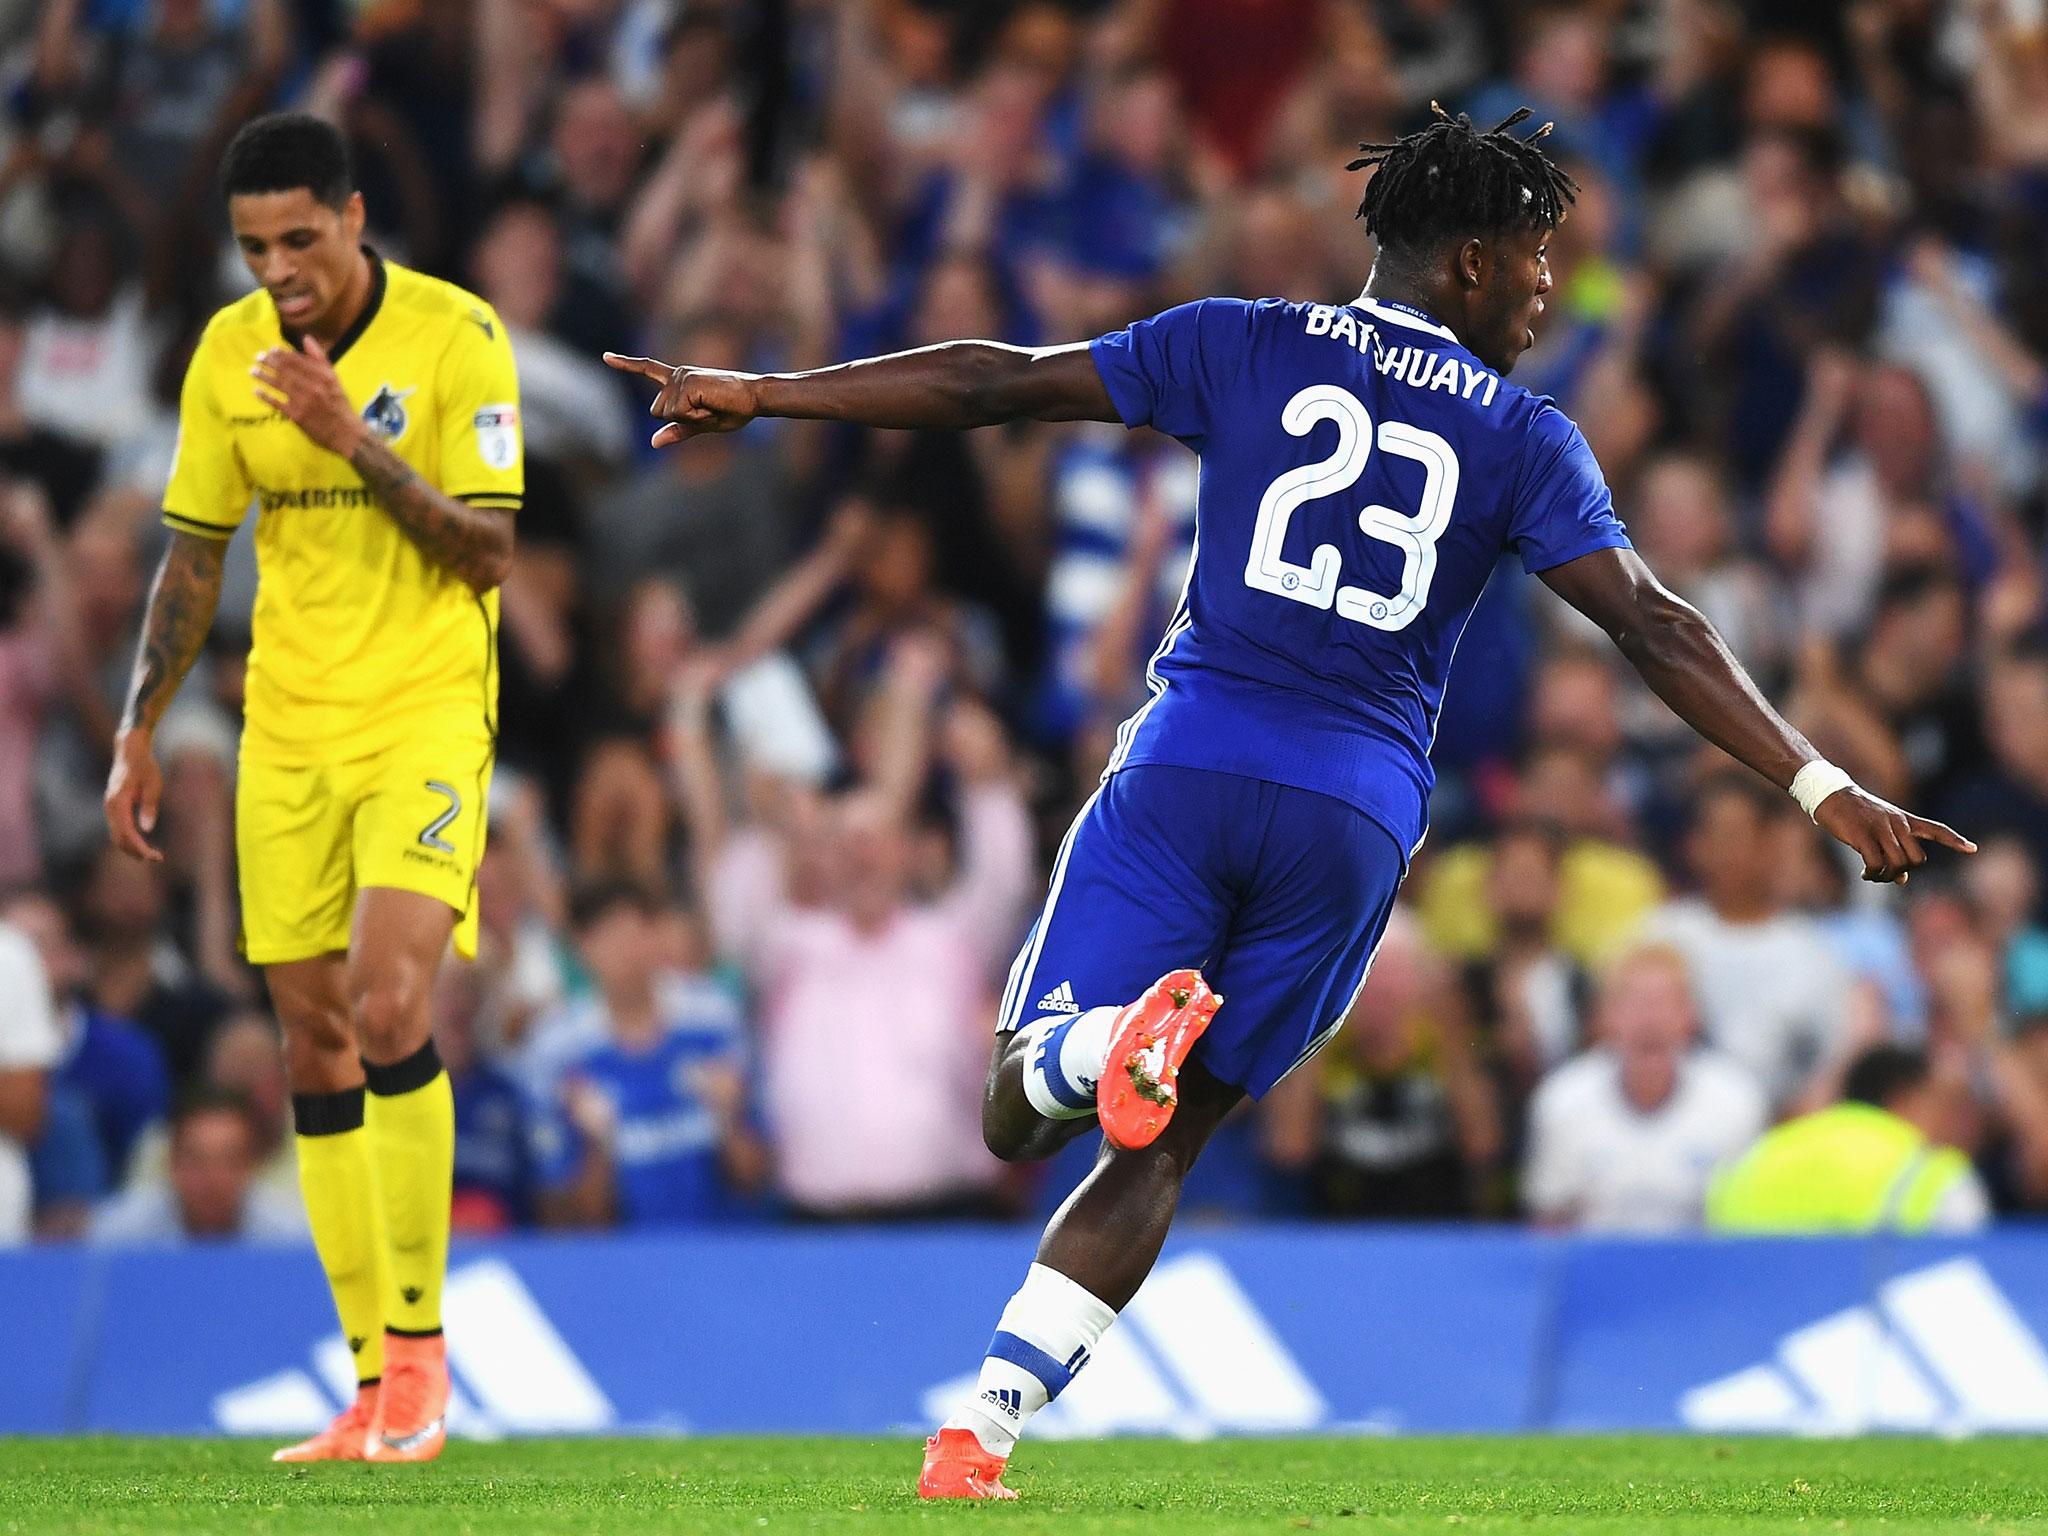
(412, 1416)
(346, 1439)
(1151, 1038)
(956, 1467)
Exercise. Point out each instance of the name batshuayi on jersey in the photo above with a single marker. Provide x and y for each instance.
(359, 640)
(1362, 474)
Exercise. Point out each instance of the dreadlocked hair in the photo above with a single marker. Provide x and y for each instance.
(1449, 180)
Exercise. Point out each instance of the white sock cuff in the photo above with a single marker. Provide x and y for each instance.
(1036, 1089)
(1047, 1299)
(1085, 1052)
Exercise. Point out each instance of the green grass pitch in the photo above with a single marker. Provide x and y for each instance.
(1463, 1487)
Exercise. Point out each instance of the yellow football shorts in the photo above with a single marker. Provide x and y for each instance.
(309, 838)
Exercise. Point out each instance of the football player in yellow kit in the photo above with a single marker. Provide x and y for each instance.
(370, 414)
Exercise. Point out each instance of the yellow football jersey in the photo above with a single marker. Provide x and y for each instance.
(359, 641)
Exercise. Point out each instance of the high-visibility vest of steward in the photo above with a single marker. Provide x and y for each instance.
(1850, 1168)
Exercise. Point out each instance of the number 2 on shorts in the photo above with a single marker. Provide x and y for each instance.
(430, 834)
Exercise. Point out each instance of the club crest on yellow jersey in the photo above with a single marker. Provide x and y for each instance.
(386, 412)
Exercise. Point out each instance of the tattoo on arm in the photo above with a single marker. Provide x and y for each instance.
(473, 542)
(181, 604)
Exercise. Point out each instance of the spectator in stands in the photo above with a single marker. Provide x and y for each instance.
(982, 498)
(1526, 994)
(717, 523)
(1898, 705)
(137, 971)
(1887, 996)
(30, 1046)
(1606, 888)
(85, 600)
(244, 1060)
(522, 963)
(1991, 1101)
(1576, 705)
(1770, 989)
(210, 1192)
(2011, 795)
(1839, 522)
(1233, 78)
(1806, 279)
(85, 366)
(1627, 1136)
(1123, 511)
(65, 469)
(108, 1086)
(42, 663)
(642, 1115)
(1560, 62)
(871, 578)
(494, 1140)
(592, 157)
(245, 1057)
(569, 404)
(619, 819)
(2004, 890)
(1910, 671)
(2015, 1161)
(892, 595)
(540, 641)
(1874, 1162)
(1399, 1122)
(1680, 520)
(407, 100)
(871, 1087)
(173, 79)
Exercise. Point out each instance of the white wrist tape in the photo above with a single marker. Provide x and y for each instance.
(1815, 782)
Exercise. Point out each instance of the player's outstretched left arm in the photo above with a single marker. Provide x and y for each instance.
(473, 542)
(954, 384)
(1685, 660)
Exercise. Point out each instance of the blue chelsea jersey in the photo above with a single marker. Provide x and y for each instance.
(1361, 475)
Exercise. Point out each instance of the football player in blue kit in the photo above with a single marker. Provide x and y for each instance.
(1363, 468)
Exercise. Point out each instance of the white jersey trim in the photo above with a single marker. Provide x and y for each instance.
(1183, 619)
(1016, 990)
(1394, 316)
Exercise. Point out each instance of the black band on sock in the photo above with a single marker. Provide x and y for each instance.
(415, 1072)
(414, 1333)
(328, 1114)
(369, 1381)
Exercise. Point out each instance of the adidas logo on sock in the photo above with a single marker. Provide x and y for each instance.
(1060, 1000)
(1009, 1399)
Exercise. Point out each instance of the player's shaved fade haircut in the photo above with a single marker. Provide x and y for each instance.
(1449, 181)
(288, 150)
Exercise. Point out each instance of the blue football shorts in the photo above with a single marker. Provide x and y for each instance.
(1278, 895)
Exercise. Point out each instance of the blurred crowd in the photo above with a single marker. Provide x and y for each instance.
(792, 720)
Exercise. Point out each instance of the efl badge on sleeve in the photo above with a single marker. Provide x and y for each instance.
(497, 435)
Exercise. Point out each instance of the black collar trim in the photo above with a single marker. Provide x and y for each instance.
(353, 334)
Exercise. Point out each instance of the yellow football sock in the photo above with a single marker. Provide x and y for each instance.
(412, 1138)
(339, 1181)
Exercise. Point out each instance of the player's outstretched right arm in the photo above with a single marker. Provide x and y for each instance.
(1684, 659)
(954, 384)
(181, 605)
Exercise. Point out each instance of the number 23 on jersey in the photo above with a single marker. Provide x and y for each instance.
(1414, 534)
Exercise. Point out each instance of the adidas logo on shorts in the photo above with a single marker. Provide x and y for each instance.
(1059, 1000)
